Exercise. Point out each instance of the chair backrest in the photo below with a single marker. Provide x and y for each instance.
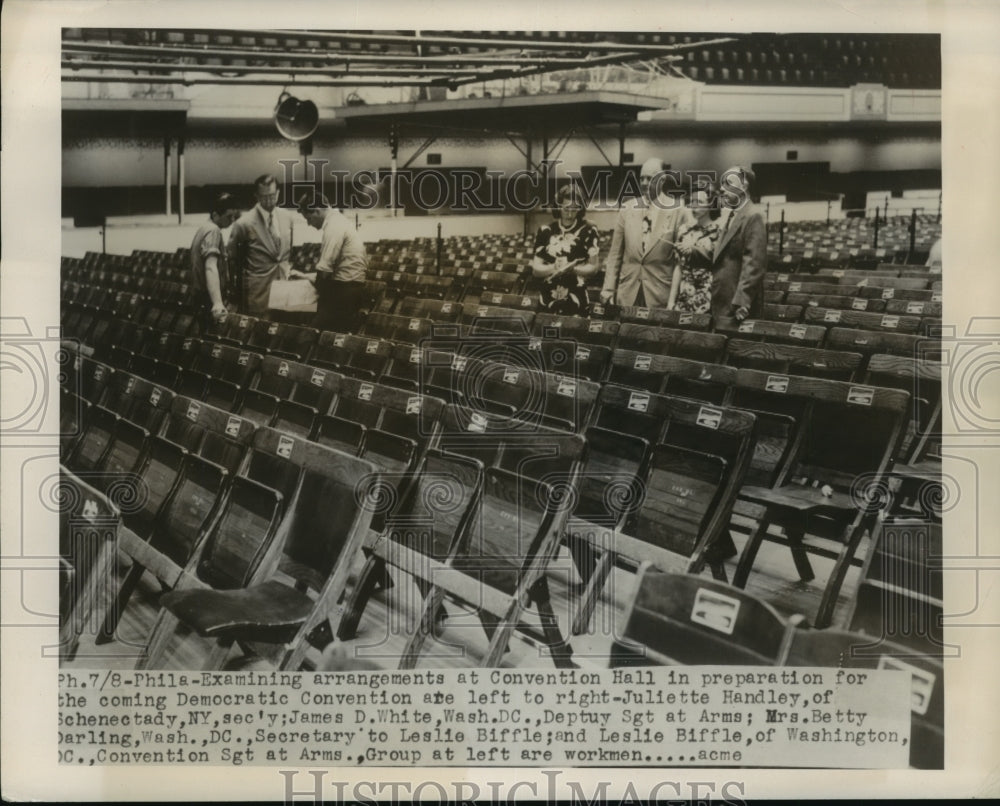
(850, 432)
(833, 648)
(868, 342)
(773, 332)
(290, 341)
(398, 411)
(330, 506)
(666, 341)
(697, 468)
(208, 431)
(575, 329)
(809, 301)
(436, 310)
(138, 400)
(344, 435)
(923, 380)
(229, 362)
(479, 318)
(162, 466)
(867, 321)
(241, 536)
(831, 363)
(436, 509)
(612, 478)
(678, 376)
(408, 329)
(185, 515)
(692, 620)
(659, 317)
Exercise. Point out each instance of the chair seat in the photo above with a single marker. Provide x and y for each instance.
(799, 499)
(271, 612)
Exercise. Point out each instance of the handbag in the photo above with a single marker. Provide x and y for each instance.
(297, 296)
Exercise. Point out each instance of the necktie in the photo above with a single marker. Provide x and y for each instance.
(271, 225)
(647, 225)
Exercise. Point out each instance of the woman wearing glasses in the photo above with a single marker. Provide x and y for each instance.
(565, 256)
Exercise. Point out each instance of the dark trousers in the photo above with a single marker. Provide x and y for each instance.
(337, 304)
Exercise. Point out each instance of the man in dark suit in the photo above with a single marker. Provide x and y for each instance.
(740, 258)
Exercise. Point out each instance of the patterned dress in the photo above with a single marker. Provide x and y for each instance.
(695, 291)
(566, 293)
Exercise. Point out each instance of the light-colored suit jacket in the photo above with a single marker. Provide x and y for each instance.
(255, 256)
(739, 263)
(629, 267)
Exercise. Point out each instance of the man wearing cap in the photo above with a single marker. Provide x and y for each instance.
(740, 258)
(340, 271)
(208, 258)
(640, 265)
(260, 245)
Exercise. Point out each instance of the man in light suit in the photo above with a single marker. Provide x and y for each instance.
(259, 247)
(740, 258)
(643, 257)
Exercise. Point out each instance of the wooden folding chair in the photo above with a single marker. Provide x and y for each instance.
(682, 619)
(838, 649)
(785, 358)
(835, 481)
(276, 599)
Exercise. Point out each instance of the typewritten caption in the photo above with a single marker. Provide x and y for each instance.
(690, 716)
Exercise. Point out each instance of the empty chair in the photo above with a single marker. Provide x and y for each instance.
(689, 620)
(832, 364)
(773, 332)
(290, 341)
(665, 341)
(138, 400)
(700, 456)
(833, 482)
(659, 317)
(430, 517)
(213, 434)
(840, 649)
(434, 309)
(832, 301)
(280, 602)
(861, 319)
(575, 329)
(177, 529)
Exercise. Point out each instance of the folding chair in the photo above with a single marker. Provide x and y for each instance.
(772, 332)
(659, 317)
(497, 568)
(575, 329)
(834, 481)
(680, 619)
(216, 435)
(290, 341)
(138, 400)
(838, 302)
(869, 343)
(839, 649)
(433, 309)
(691, 344)
(431, 516)
(679, 521)
(270, 609)
(923, 379)
(831, 364)
(866, 321)
(782, 313)
(178, 527)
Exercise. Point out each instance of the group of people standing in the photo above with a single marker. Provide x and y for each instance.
(239, 274)
(708, 255)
